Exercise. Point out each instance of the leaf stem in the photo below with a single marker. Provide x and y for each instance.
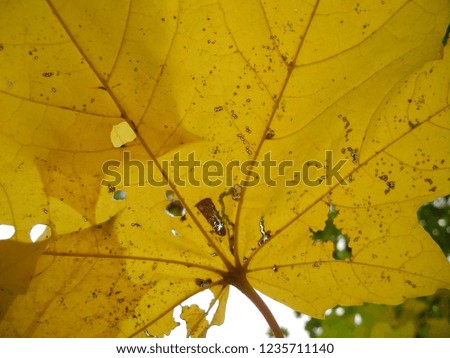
(246, 288)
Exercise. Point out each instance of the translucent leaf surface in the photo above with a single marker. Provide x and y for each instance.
(354, 94)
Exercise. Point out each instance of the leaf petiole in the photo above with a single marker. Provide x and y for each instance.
(246, 288)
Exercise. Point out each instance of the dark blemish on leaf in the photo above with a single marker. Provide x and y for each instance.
(355, 156)
(384, 177)
(47, 74)
(390, 185)
(241, 137)
(411, 284)
(136, 225)
(218, 109)
(274, 268)
(270, 134)
(346, 122)
(428, 180)
(203, 283)
(209, 211)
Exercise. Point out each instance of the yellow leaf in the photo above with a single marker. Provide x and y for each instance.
(17, 265)
(122, 134)
(195, 321)
(254, 123)
(219, 316)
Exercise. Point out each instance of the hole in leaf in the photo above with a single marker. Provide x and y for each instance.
(170, 195)
(435, 218)
(342, 249)
(175, 209)
(265, 233)
(40, 232)
(119, 195)
(341, 243)
(6, 231)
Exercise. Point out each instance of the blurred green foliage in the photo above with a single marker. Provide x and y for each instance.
(417, 317)
(284, 330)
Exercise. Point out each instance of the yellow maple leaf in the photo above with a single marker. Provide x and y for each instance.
(178, 146)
